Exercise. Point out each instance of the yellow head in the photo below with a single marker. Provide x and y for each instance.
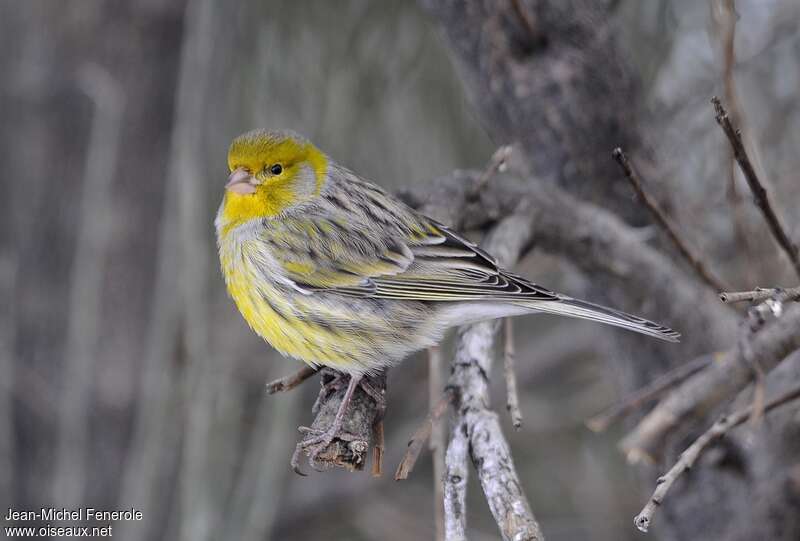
(270, 172)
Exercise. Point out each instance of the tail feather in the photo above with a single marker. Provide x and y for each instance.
(585, 310)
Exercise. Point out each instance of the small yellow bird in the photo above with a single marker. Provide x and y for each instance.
(330, 269)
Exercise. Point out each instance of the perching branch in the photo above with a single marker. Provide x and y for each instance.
(666, 223)
(760, 194)
(349, 449)
(693, 452)
(700, 394)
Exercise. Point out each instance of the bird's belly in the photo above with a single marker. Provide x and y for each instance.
(350, 335)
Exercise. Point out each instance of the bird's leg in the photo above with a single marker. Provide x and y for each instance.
(331, 381)
(377, 396)
(316, 444)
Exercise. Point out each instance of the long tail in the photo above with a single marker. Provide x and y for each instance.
(585, 310)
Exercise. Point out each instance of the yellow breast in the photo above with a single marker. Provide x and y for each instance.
(278, 316)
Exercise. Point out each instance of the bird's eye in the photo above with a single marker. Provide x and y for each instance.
(276, 169)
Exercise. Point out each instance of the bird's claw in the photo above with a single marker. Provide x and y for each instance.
(313, 447)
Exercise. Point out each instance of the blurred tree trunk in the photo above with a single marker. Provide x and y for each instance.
(549, 76)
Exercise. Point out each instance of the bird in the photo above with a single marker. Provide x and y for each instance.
(330, 269)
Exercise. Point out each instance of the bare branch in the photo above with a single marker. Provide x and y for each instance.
(287, 383)
(512, 397)
(761, 294)
(700, 394)
(455, 484)
(653, 390)
(469, 379)
(760, 195)
(666, 223)
(693, 452)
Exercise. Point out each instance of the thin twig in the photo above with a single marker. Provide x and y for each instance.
(666, 224)
(420, 436)
(378, 449)
(760, 195)
(437, 443)
(512, 397)
(287, 383)
(497, 163)
(651, 391)
(761, 294)
(697, 396)
(723, 21)
(693, 452)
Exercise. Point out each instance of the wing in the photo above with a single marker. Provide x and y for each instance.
(455, 269)
(424, 262)
(320, 253)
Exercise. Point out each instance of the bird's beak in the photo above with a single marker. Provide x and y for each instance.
(241, 181)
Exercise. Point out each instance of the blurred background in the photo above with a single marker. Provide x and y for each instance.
(127, 377)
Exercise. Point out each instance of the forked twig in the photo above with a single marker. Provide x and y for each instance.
(760, 195)
(666, 224)
(693, 452)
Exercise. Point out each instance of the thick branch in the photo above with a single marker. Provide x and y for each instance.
(699, 395)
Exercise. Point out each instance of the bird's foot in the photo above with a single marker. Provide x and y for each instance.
(316, 442)
(314, 446)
